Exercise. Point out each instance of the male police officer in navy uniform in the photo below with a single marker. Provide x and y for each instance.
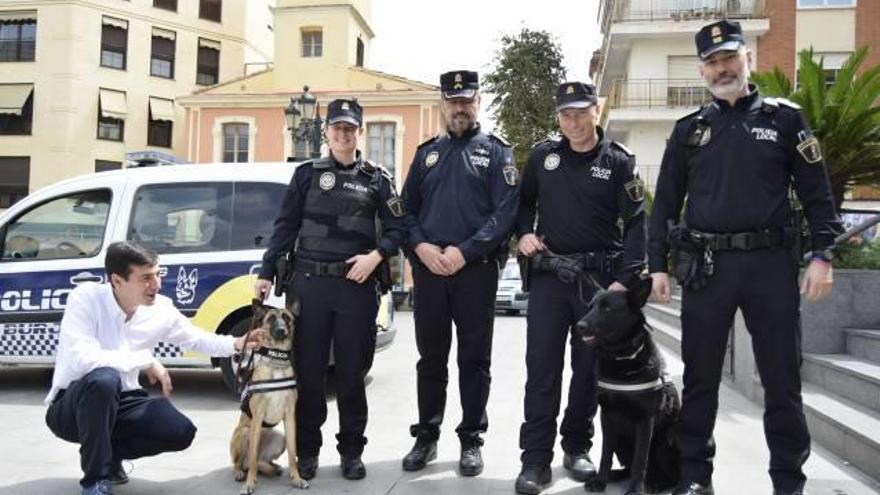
(589, 202)
(461, 199)
(329, 220)
(734, 160)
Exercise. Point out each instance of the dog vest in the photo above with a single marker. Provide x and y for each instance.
(262, 386)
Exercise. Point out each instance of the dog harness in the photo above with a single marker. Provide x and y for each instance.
(262, 386)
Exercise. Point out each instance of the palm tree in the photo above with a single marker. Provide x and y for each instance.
(845, 116)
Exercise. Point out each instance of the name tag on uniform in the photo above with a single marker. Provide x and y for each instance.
(762, 134)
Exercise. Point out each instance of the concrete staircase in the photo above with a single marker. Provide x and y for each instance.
(841, 392)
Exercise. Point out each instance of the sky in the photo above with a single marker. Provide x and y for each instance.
(420, 40)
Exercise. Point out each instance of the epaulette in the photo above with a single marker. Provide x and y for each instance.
(784, 102)
(372, 166)
(320, 163)
(622, 148)
(498, 138)
(691, 115)
(429, 140)
(551, 141)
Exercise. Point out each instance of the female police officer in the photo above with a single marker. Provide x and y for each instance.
(328, 219)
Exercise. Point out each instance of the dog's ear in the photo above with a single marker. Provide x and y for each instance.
(294, 305)
(258, 308)
(639, 294)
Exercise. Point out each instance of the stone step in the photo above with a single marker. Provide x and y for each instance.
(845, 428)
(665, 313)
(849, 377)
(665, 334)
(863, 343)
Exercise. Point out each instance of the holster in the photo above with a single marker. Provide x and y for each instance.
(692, 264)
(525, 267)
(283, 271)
(383, 276)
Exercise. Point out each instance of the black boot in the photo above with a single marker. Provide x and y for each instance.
(532, 478)
(308, 466)
(423, 452)
(471, 461)
(353, 468)
(118, 476)
(579, 465)
(692, 488)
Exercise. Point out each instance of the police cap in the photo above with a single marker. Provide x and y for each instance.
(575, 94)
(459, 84)
(341, 110)
(719, 36)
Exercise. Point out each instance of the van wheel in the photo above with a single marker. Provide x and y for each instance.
(227, 366)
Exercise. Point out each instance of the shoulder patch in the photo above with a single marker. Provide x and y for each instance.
(691, 115)
(622, 148)
(498, 138)
(430, 140)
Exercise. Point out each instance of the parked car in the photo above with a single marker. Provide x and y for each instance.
(510, 297)
(209, 224)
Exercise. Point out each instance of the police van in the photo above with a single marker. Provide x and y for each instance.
(209, 223)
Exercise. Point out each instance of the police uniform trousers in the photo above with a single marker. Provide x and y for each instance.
(554, 308)
(111, 425)
(340, 314)
(763, 285)
(467, 299)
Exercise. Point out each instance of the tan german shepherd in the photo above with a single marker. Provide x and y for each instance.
(268, 397)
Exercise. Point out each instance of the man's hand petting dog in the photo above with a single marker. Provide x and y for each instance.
(251, 340)
(157, 373)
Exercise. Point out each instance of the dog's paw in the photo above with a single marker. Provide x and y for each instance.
(247, 490)
(276, 469)
(238, 475)
(594, 483)
(299, 483)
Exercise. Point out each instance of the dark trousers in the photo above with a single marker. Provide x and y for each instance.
(467, 299)
(554, 308)
(763, 285)
(338, 313)
(111, 425)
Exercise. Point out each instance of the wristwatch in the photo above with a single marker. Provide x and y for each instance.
(825, 255)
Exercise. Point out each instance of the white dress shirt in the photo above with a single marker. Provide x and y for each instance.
(95, 334)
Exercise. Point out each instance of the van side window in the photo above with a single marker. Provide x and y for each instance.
(183, 217)
(70, 226)
(257, 205)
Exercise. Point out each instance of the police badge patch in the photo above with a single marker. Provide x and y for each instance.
(510, 175)
(327, 181)
(395, 204)
(431, 159)
(809, 147)
(551, 162)
(635, 189)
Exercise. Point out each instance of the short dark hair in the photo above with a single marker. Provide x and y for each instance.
(123, 254)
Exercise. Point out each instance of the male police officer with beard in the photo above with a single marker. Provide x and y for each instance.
(734, 160)
(589, 203)
(329, 220)
(461, 198)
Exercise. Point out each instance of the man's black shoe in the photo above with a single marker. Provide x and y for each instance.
(693, 489)
(353, 468)
(423, 452)
(580, 465)
(308, 466)
(118, 476)
(532, 478)
(471, 461)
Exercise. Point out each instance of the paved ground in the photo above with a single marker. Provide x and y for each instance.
(33, 462)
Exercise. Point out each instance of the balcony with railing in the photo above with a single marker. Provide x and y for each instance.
(658, 93)
(681, 10)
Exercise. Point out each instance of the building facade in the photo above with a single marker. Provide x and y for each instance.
(84, 82)
(647, 69)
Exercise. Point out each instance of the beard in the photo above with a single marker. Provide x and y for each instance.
(461, 122)
(731, 89)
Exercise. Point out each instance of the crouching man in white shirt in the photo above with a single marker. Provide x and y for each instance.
(107, 335)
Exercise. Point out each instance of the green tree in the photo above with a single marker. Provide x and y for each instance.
(526, 70)
(845, 115)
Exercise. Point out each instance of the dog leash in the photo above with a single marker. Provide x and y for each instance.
(241, 381)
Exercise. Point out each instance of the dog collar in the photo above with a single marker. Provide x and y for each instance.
(631, 356)
(633, 387)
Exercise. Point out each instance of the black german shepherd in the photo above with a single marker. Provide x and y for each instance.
(639, 406)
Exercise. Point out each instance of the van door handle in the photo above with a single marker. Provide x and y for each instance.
(85, 277)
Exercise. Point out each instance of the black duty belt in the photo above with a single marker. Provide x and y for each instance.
(321, 269)
(591, 261)
(747, 241)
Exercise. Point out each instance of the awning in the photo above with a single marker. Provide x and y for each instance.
(18, 16)
(13, 97)
(161, 109)
(117, 23)
(214, 45)
(164, 33)
(113, 105)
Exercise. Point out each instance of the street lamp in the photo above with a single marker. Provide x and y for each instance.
(304, 122)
